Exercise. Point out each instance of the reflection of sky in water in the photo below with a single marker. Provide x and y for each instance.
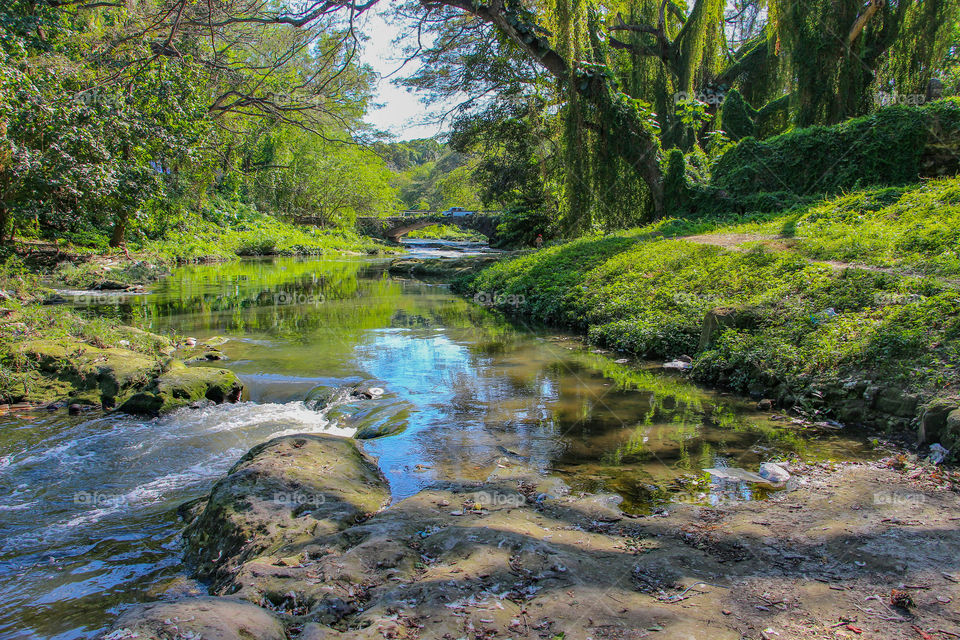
(454, 392)
(723, 491)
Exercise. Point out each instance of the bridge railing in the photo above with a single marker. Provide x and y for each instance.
(408, 213)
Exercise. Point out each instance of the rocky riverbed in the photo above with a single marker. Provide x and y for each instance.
(295, 545)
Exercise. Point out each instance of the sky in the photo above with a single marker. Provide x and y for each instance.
(402, 113)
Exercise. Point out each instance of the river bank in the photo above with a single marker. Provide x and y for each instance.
(770, 308)
(848, 550)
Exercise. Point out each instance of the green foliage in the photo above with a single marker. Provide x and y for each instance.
(883, 148)
(736, 116)
(446, 232)
(676, 188)
(102, 138)
(519, 228)
(401, 156)
(250, 233)
(837, 78)
(320, 182)
(440, 178)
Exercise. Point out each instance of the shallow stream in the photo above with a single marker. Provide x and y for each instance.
(88, 507)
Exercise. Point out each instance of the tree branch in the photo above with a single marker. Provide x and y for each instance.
(862, 20)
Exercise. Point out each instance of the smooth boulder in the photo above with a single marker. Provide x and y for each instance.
(206, 617)
(280, 496)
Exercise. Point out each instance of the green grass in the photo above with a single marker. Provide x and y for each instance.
(908, 229)
(258, 235)
(646, 294)
(93, 274)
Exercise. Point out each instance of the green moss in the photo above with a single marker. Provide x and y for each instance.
(182, 386)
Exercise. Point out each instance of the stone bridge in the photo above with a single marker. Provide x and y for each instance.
(395, 227)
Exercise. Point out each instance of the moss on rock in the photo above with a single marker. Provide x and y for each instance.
(68, 370)
(181, 386)
(280, 495)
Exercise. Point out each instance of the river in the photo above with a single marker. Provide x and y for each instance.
(88, 506)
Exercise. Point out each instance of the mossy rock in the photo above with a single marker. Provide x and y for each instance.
(280, 496)
(71, 369)
(182, 386)
(950, 436)
(934, 419)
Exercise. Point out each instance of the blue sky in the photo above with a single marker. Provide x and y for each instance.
(402, 113)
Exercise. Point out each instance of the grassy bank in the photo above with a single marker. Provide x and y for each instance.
(220, 231)
(793, 326)
(23, 321)
(255, 235)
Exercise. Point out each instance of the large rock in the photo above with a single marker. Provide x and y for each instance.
(81, 371)
(950, 437)
(207, 618)
(281, 495)
(76, 372)
(896, 402)
(934, 418)
(181, 386)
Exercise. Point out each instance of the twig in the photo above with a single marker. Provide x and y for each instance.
(898, 617)
(679, 596)
(871, 612)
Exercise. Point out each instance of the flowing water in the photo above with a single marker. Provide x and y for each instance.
(88, 506)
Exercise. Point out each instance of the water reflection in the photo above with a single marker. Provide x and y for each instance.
(466, 388)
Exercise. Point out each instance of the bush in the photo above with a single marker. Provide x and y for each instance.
(886, 147)
(519, 228)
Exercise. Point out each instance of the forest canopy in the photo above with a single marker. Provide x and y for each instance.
(122, 118)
